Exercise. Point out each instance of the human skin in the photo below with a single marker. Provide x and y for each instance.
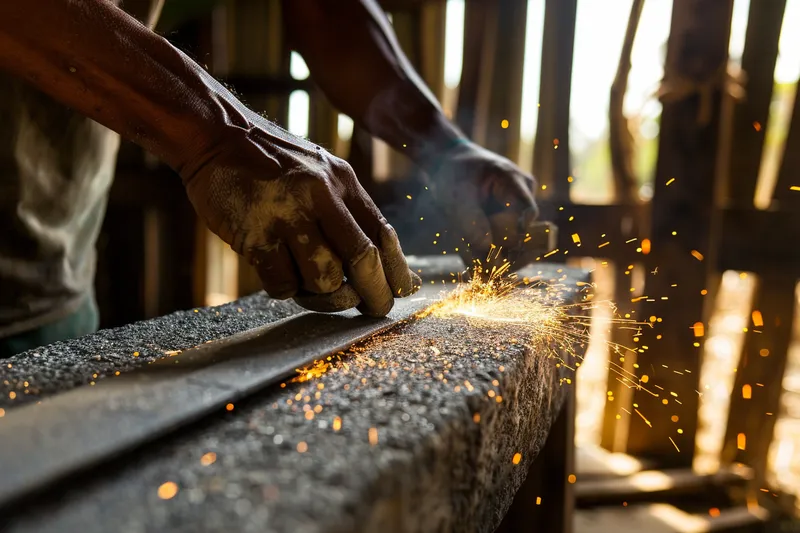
(296, 212)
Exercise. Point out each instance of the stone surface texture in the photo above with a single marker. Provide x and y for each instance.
(414, 430)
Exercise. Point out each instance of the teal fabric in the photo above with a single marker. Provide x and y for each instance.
(83, 321)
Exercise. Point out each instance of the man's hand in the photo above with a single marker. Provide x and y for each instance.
(488, 200)
(300, 216)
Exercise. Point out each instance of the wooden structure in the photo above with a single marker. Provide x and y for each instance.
(700, 222)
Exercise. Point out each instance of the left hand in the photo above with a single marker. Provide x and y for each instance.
(488, 200)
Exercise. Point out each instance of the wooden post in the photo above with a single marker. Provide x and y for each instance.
(502, 97)
(551, 160)
(546, 500)
(479, 32)
(621, 372)
(616, 420)
(758, 386)
(787, 199)
(683, 201)
(757, 389)
(750, 116)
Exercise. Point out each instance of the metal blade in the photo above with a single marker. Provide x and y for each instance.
(43, 443)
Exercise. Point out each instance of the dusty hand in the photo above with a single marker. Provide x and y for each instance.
(488, 200)
(301, 218)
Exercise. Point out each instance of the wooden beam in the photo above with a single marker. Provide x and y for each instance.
(764, 242)
(657, 485)
(620, 139)
(547, 497)
(551, 158)
(697, 55)
(664, 518)
(503, 98)
(755, 400)
(751, 115)
(621, 360)
(788, 199)
(478, 41)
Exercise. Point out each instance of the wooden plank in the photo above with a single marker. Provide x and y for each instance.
(479, 32)
(697, 54)
(655, 485)
(546, 498)
(751, 115)
(503, 98)
(764, 242)
(757, 388)
(663, 518)
(620, 139)
(593, 462)
(621, 371)
(789, 174)
(431, 45)
(551, 158)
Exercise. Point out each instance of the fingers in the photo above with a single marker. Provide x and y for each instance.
(361, 258)
(320, 269)
(342, 299)
(275, 269)
(402, 280)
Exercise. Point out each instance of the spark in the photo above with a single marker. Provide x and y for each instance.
(673, 443)
(168, 490)
(208, 459)
(494, 298)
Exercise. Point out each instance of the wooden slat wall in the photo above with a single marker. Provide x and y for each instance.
(757, 390)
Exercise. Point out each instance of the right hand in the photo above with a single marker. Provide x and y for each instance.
(302, 219)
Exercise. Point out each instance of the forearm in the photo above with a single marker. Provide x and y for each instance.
(355, 58)
(91, 56)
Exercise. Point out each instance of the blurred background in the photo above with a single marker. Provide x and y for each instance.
(533, 81)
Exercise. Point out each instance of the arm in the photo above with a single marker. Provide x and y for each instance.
(296, 212)
(356, 60)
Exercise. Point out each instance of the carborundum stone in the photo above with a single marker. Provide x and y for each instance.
(415, 430)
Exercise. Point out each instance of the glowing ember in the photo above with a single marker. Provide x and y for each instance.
(208, 459)
(168, 490)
